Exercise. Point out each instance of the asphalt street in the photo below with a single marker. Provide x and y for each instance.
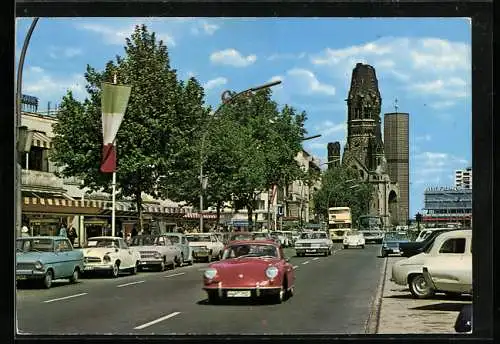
(332, 295)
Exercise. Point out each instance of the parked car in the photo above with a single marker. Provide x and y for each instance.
(451, 273)
(391, 242)
(205, 246)
(424, 233)
(250, 269)
(46, 258)
(409, 271)
(354, 239)
(411, 248)
(182, 243)
(374, 236)
(314, 242)
(156, 251)
(111, 255)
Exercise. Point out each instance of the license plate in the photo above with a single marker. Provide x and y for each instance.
(310, 250)
(88, 268)
(143, 263)
(239, 293)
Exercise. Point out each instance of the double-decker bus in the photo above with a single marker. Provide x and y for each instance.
(372, 228)
(339, 222)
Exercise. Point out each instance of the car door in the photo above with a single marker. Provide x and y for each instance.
(451, 255)
(126, 254)
(170, 249)
(217, 245)
(62, 264)
(185, 248)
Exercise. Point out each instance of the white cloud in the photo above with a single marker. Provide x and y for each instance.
(114, 35)
(426, 137)
(442, 104)
(447, 88)
(287, 56)
(204, 27)
(434, 167)
(67, 52)
(36, 69)
(232, 57)
(215, 83)
(329, 128)
(306, 81)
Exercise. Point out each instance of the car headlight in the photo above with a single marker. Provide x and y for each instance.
(210, 273)
(38, 265)
(271, 272)
(157, 255)
(106, 258)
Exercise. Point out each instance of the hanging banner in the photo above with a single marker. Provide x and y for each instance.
(114, 102)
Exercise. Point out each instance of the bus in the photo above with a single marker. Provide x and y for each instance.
(372, 228)
(339, 222)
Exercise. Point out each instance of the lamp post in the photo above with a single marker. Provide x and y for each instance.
(226, 98)
(114, 101)
(22, 132)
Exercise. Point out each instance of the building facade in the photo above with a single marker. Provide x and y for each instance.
(463, 178)
(364, 149)
(447, 205)
(397, 153)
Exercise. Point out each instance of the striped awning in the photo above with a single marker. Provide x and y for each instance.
(197, 216)
(61, 206)
(41, 140)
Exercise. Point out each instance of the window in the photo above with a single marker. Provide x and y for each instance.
(63, 245)
(456, 245)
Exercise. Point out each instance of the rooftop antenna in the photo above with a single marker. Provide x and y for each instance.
(396, 104)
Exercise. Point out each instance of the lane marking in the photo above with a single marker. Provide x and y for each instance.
(156, 321)
(173, 275)
(306, 262)
(316, 258)
(131, 283)
(65, 298)
(295, 266)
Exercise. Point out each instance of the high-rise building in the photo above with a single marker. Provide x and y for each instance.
(396, 147)
(463, 178)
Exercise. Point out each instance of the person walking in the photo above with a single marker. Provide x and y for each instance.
(72, 235)
(62, 231)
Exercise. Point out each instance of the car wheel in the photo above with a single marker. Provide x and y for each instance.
(279, 297)
(383, 254)
(75, 276)
(325, 254)
(209, 257)
(115, 271)
(419, 287)
(162, 265)
(329, 252)
(220, 256)
(181, 260)
(133, 271)
(363, 246)
(47, 281)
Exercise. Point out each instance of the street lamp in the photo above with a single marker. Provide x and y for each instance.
(226, 98)
(22, 132)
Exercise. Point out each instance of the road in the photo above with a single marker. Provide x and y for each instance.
(332, 295)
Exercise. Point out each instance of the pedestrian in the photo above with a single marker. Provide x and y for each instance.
(72, 235)
(25, 231)
(62, 231)
(134, 232)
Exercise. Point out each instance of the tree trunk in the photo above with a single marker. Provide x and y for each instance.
(250, 217)
(218, 207)
(138, 203)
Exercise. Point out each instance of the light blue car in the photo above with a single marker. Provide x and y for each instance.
(180, 240)
(46, 258)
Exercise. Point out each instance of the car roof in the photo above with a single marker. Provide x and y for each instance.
(246, 242)
(452, 233)
(104, 237)
(51, 237)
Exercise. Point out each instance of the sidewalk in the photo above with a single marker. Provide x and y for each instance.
(400, 313)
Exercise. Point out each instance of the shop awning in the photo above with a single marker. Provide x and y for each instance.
(197, 216)
(61, 206)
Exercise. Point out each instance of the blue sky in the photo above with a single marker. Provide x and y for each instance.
(424, 63)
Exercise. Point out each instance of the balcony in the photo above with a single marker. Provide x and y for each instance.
(31, 179)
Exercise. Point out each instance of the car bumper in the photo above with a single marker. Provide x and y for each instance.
(98, 267)
(151, 262)
(200, 254)
(242, 292)
(311, 250)
(360, 243)
(391, 250)
(22, 275)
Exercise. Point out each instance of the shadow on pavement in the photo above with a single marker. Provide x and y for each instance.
(37, 285)
(442, 306)
(236, 302)
(403, 296)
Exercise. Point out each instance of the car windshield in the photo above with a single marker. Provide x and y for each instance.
(250, 250)
(34, 245)
(174, 239)
(395, 236)
(147, 240)
(102, 242)
(198, 238)
(320, 235)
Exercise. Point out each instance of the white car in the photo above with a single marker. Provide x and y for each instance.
(282, 237)
(447, 245)
(156, 251)
(205, 246)
(451, 275)
(354, 239)
(313, 242)
(109, 254)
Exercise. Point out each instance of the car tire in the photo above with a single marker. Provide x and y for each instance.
(181, 260)
(47, 280)
(209, 257)
(362, 246)
(279, 297)
(383, 254)
(75, 276)
(419, 287)
(115, 271)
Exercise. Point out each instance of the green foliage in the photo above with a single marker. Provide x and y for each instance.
(160, 121)
(342, 187)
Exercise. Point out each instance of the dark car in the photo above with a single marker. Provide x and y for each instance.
(412, 248)
(463, 324)
(392, 241)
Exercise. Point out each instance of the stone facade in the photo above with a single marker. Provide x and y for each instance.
(364, 149)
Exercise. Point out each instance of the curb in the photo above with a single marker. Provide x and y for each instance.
(372, 324)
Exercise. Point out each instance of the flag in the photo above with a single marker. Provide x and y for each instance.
(113, 103)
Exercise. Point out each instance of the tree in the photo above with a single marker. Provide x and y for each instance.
(342, 187)
(161, 118)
